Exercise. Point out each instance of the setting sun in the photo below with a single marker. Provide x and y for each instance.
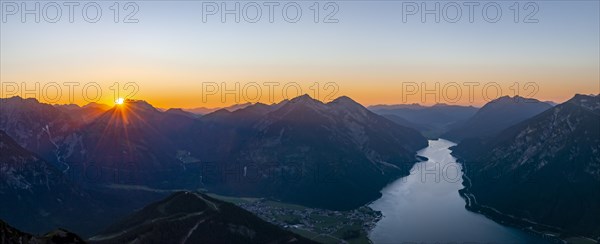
(119, 101)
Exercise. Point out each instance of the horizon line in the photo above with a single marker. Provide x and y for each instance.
(288, 99)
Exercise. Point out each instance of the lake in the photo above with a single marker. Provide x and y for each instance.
(426, 207)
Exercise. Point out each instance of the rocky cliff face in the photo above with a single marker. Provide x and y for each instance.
(41, 128)
(35, 195)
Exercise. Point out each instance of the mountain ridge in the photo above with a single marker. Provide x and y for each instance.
(495, 116)
(431, 121)
(9, 234)
(151, 147)
(193, 217)
(553, 155)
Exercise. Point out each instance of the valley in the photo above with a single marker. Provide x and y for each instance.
(426, 207)
(321, 225)
(300, 122)
(305, 170)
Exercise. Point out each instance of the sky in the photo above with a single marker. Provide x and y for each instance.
(376, 52)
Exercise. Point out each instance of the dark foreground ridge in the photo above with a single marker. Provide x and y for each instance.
(9, 234)
(192, 217)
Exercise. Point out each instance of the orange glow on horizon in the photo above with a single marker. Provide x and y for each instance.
(382, 90)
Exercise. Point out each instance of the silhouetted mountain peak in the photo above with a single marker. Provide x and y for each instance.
(131, 111)
(256, 106)
(219, 112)
(67, 106)
(496, 116)
(507, 100)
(303, 104)
(348, 106)
(346, 101)
(33, 124)
(20, 99)
(257, 109)
(180, 112)
(95, 105)
(304, 99)
(19, 104)
(174, 110)
(516, 101)
(138, 105)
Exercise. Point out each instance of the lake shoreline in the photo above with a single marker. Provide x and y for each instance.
(429, 199)
(549, 233)
(500, 218)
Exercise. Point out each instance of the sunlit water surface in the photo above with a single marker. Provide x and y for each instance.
(426, 207)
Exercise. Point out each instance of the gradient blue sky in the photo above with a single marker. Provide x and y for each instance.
(368, 54)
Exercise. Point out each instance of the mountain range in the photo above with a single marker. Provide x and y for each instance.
(37, 197)
(30, 185)
(545, 169)
(302, 151)
(83, 167)
(431, 121)
(496, 116)
(86, 113)
(335, 155)
(204, 110)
